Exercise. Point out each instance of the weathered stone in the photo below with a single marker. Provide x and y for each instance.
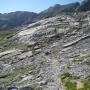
(26, 88)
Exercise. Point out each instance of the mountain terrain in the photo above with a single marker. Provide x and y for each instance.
(16, 19)
(46, 51)
(50, 54)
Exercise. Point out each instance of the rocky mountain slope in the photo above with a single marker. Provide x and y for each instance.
(59, 9)
(51, 54)
(85, 5)
(15, 19)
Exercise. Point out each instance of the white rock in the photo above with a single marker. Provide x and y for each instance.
(8, 52)
(27, 78)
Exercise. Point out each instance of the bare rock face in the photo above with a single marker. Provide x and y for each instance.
(50, 52)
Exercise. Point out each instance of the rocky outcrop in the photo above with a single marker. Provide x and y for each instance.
(52, 47)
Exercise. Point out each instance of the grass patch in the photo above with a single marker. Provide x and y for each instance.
(24, 70)
(17, 46)
(74, 83)
(15, 75)
(6, 35)
(70, 85)
(65, 75)
(68, 76)
(4, 75)
(77, 58)
(87, 84)
(62, 25)
(67, 80)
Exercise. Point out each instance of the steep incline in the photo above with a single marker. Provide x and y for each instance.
(51, 54)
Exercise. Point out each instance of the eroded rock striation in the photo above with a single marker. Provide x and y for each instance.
(48, 53)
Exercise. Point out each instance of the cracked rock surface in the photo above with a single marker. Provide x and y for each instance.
(45, 50)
